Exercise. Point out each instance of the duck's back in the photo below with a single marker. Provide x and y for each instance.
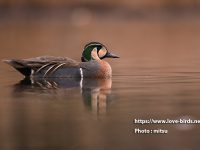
(46, 66)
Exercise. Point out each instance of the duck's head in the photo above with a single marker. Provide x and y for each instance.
(96, 51)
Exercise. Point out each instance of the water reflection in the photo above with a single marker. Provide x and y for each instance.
(94, 92)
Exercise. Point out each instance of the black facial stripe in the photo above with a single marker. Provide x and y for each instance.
(103, 57)
(83, 59)
(98, 47)
(92, 44)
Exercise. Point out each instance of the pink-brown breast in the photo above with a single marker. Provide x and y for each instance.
(104, 70)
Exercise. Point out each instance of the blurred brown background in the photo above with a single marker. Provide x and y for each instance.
(130, 3)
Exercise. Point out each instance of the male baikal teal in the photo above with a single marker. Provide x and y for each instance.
(92, 65)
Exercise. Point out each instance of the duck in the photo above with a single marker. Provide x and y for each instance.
(92, 64)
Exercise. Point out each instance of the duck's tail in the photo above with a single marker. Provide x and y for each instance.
(19, 66)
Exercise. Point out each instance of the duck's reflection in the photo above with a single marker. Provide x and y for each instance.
(95, 92)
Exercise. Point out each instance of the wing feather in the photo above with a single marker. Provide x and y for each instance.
(48, 63)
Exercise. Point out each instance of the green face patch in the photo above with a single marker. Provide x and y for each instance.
(87, 52)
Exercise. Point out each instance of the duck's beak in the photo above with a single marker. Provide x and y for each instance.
(110, 55)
